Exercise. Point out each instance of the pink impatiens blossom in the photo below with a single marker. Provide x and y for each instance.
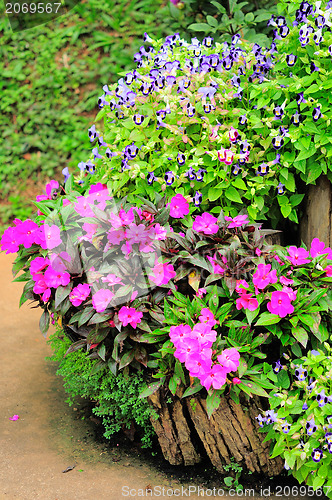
(290, 292)
(328, 271)
(207, 317)
(56, 277)
(204, 334)
(185, 349)
(206, 223)
(79, 294)
(238, 221)
(82, 207)
(157, 232)
(162, 273)
(263, 276)
(216, 377)
(229, 359)
(297, 256)
(286, 281)
(280, 304)
(179, 333)
(137, 234)
(241, 286)
(48, 237)
(14, 418)
(112, 279)
(115, 236)
(179, 206)
(236, 380)
(101, 299)
(201, 292)
(98, 192)
(129, 316)
(247, 301)
(26, 233)
(38, 264)
(318, 248)
(90, 230)
(217, 269)
(49, 189)
(9, 241)
(199, 363)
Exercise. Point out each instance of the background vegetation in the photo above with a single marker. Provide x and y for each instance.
(51, 77)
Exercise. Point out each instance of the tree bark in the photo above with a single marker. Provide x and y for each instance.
(231, 432)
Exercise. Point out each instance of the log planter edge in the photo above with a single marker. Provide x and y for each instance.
(184, 430)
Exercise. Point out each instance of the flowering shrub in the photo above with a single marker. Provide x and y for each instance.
(300, 420)
(226, 124)
(150, 287)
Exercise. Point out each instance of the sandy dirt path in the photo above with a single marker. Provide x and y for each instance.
(49, 436)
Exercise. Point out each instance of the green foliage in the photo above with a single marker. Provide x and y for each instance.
(300, 422)
(50, 79)
(116, 397)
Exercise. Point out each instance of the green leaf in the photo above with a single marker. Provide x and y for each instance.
(192, 390)
(61, 293)
(127, 358)
(212, 21)
(151, 388)
(233, 195)
(268, 319)
(212, 403)
(44, 322)
(300, 334)
(200, 27)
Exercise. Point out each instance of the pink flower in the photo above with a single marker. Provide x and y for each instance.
(285, 281)
(199, 363)
(216, 378)
(14, 418)
(162, 273)
(221, 154)
(328, 271)
(290, 292)
(90, 230)
(82, 207)
(157, 232)
(26, 233)
(207, 317)
(49, 188)
(98, 192)
(229, 359)
(129, 315)
(318, 248)
(101, 299)
(204, 334)
(217, 269)
(247, 301)
(298, 256)
(179, 333)
(56, 277)
(48, 237)
(278, 260)
(238, 221)
(186, 348)
(258, 252)
(280, 304)
(206, 223)
(236, 380)
(229, 156)
(9, 241)
(233, 134)
(79, 294)
(263, 277)
(201, 292)
(38, 264)
(116, 236)
(112, 279)
(179, 206)
(241, 285)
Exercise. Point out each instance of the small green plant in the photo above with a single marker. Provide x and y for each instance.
(116, 398)
(233, 481)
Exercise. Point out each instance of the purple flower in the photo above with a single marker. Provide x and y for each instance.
(197, 198)
(169, 177)
(263, 169)
(316, 454)
(301, 373)
(296, 119)
(277, 366)
(138, 119)
(313, 67)
(151, 178)
(291, 59)
(261, 420)
(311, 427)
(316, 114)
(280, 188)
(93, 134)
(285, 428)
(277, 142)
(321, 398)
(305, 406)
(271, 416)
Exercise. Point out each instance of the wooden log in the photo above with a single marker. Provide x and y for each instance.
(231, 432)
(317, 219)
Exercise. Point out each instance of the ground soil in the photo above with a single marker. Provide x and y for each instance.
(50, 437)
